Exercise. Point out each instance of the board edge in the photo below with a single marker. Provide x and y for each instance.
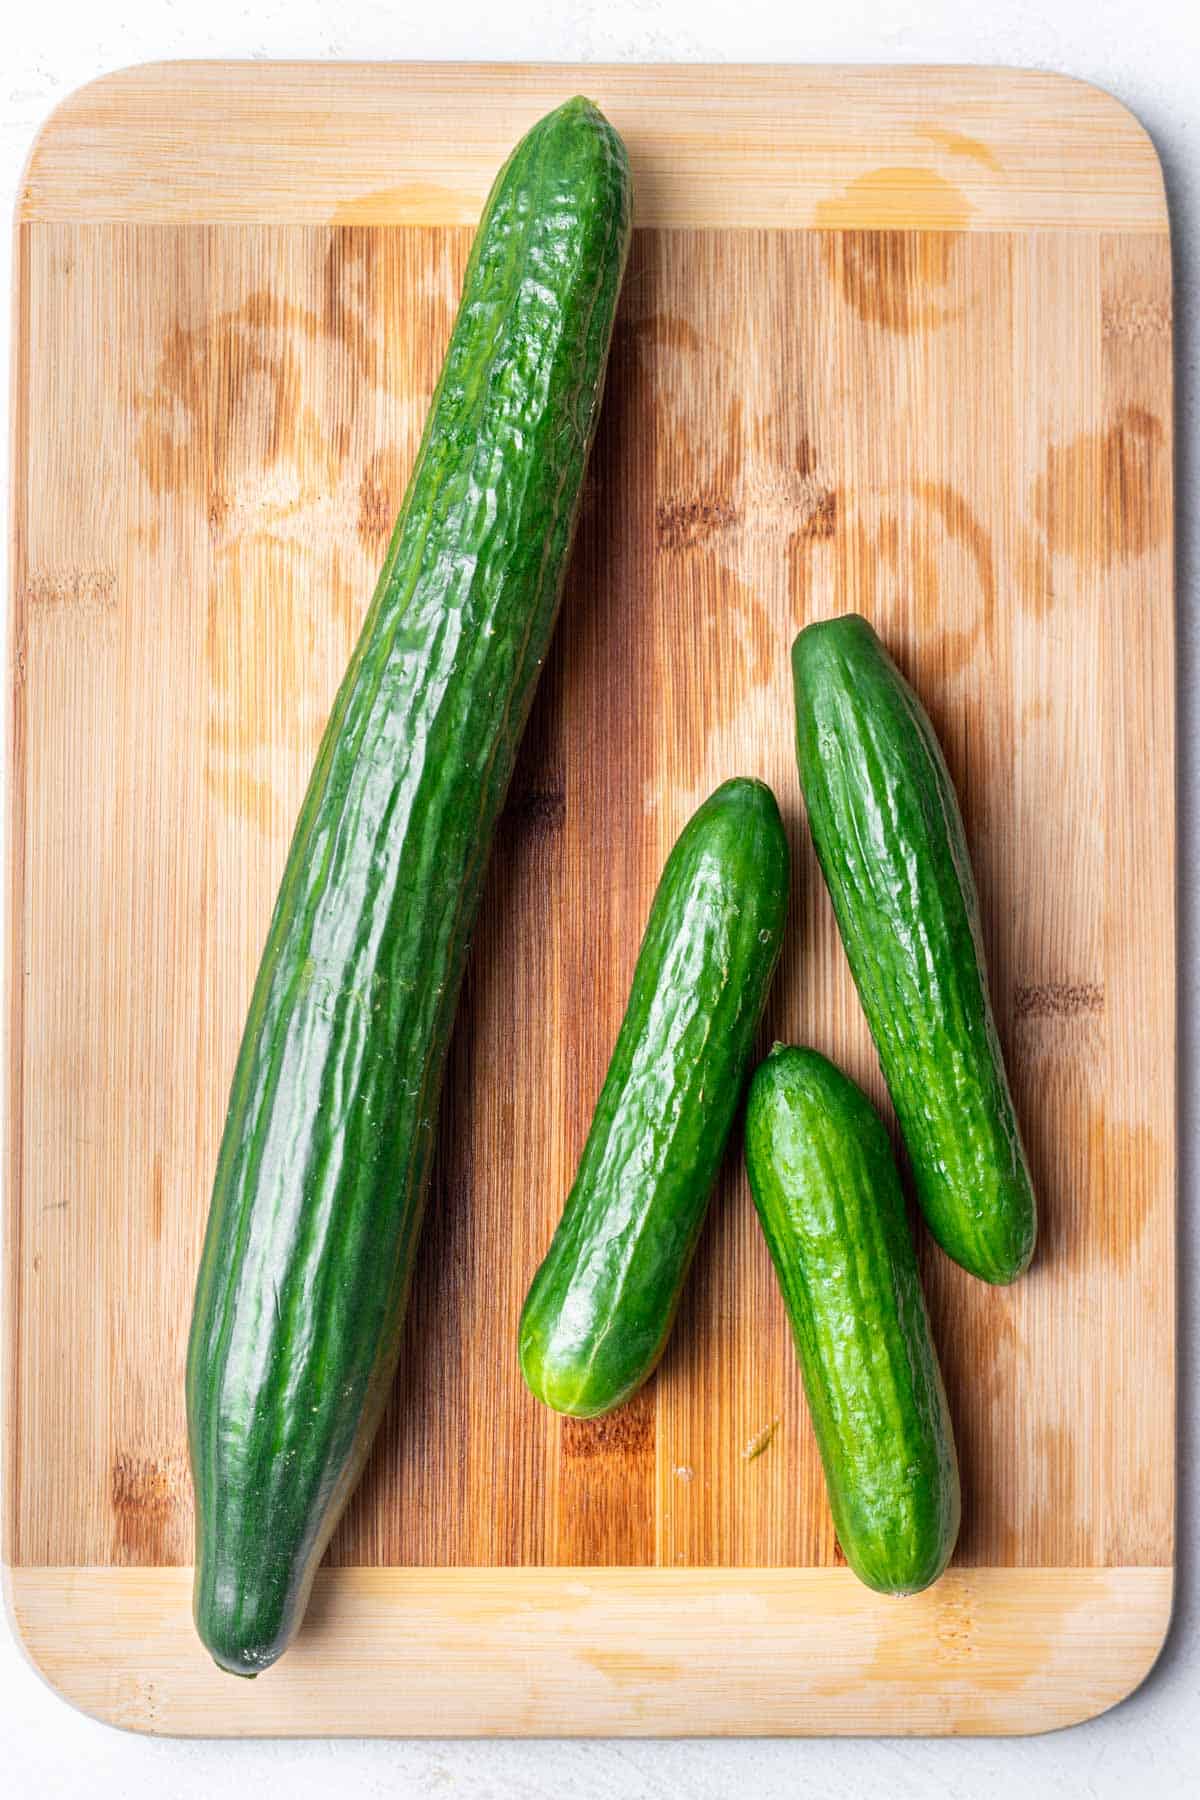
(539, 1650)
(47, 193)
(12, 948)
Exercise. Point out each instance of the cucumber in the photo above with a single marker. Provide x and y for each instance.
(323, 1165)
(600, 1308)
(828, 1195)
(889, 837)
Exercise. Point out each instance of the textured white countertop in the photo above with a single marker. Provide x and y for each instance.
(1147, 52)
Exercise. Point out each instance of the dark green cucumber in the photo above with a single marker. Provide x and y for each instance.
(601, 1306)
(828, 1195)
(323, 1165)
(889, 836)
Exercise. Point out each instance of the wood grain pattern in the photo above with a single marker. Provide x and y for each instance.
(981, 149)
(695, 1653)
(966, 434)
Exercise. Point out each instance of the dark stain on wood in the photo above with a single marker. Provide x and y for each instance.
(957, 143)
(629, 1431)
(143, 1493)
(229, 397)
(1057, 999)
(878, 274)
(821, 520)
(781, 446)
(1102, 497)
(75, 590)
(379, 494)
(892, 276)
(535, 812)
(915, 555)
(681, 524)
(226, 394)
(1126, 1163)
(352, 299)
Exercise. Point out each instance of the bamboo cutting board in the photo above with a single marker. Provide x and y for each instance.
(892, 340)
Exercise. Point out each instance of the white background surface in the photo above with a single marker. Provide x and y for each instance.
(1148, 53)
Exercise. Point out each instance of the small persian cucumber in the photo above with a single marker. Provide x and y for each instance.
(828, 1195)
(889, 837)
(597, 1317)
(321, 1179)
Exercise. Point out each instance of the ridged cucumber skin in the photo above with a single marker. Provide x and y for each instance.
(601, 1306)
(323, 1166)
(828, 1195)
(888, 833)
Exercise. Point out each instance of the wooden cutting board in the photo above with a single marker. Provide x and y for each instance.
(893, 340)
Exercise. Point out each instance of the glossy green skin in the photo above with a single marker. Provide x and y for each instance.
(889, 836)
(322, 1173)
(829, 1199)
(600, 1309)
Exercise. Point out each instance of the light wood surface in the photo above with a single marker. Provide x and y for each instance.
(688, 1653)
(963, 433)
(973, 149)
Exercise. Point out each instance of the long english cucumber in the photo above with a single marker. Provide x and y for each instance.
(322, 1172)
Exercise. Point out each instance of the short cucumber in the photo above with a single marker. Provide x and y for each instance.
(601, 1306)
(322, 1173)
(828, 1195)
(889, 837)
